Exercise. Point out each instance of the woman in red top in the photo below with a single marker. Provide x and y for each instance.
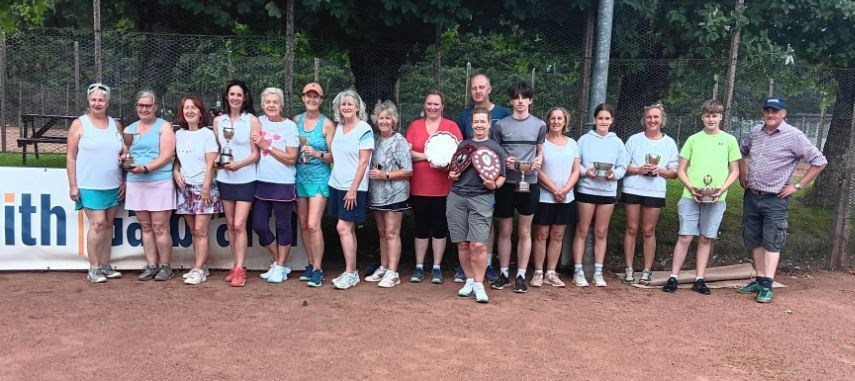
(429, 187)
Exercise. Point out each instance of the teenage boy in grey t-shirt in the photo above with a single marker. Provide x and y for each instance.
(521, 135)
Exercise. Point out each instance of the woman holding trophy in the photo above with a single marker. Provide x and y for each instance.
(313, 173)
(151, 190)
(237, 173)
(652, 160)
(602, 162)
(95, 182)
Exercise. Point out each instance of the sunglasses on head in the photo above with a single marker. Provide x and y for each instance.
(97, 86)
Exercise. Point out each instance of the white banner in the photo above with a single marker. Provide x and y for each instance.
(42, 231)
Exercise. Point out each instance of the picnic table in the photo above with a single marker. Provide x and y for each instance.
(34, 129)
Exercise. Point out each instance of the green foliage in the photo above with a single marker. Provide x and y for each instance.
(17, 14)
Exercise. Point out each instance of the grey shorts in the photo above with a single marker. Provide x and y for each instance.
(764, 221)
(469, 218)
(700, 219)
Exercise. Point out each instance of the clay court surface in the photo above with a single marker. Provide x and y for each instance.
(58, 326)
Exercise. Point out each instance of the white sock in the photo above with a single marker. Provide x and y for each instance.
(536, 271)
(674, 276)
(577, 268)
(505, 271)
(489, 258)
(548, 272)
(598, 267)
(646, 269)
(698, 277)
(436, 267)
(521, 273)
(381, 270)
(422, 267)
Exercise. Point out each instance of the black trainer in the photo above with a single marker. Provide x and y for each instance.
(671, 286)
(701, 287)
(519, 285)
(500, 282)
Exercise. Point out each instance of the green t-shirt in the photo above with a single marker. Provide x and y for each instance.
(709, 155)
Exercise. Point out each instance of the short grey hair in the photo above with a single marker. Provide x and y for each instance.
(98, 87)
(274, 91)
(387, 107)
(146, 94)
(349, 93)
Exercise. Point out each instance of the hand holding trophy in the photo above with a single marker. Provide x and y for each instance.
(653, 160)
(707, 191)
(129, 138)
(304, 140)
(226, 155)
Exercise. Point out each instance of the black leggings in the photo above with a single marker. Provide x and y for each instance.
(429, 213)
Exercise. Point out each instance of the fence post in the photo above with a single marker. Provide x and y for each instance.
(820, 131)
(317, 69)
(838, 258)
(96, 10)
(77, 77)
(466, 90)
(731, 70)
(587, 61)
(3, 86)
(289, 56)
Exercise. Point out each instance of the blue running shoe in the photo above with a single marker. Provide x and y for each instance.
(317, 278)
(459, 275)
(491, 274)
(307, 273)
(418, 275)
(436, 276)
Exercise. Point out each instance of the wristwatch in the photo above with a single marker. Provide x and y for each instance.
(270, 149)
(798, 186)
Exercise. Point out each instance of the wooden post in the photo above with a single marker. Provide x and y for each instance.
(77, 108)
(398, 101)
(437, 56)
(731, 70)
(715, 86)
(532, 77)
(96, 10)
(820, 130)
(838, 256)
(771, 87)
(317, 69)
(3, 86)
(468, 80)
(587, 62)
(289, 55)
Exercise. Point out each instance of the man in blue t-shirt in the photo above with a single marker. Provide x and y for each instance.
(480, 89)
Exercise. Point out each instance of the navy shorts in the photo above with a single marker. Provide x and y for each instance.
(335, 206)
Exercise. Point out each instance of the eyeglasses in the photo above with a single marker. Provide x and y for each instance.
(145, 106)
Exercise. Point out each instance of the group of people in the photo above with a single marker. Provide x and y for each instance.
(271, 165)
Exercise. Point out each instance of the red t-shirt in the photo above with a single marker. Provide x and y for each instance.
(428, 181)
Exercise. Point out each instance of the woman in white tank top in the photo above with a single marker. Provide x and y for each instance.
(95, 180)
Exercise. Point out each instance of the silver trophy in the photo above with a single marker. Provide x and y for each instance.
(707, 191)
(651, 159)
(603, 168)
(129, 138)
(523, 166)
(226, 152)
(304, 140)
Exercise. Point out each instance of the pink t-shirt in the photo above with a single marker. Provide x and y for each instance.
(428, 181)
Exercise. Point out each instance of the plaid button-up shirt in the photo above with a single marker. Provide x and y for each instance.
(774, 156)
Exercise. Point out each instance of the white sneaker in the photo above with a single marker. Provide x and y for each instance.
(467, 288)
(204, 270)
(195, 276)
(579, 279)
(377, 275)
(628, 276)
(598, 280)
(480, 293)
(269, 271)
(278, 274)
(646, 276)
(390, 279)
(346, 280)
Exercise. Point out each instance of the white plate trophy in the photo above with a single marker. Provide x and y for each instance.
(707, 191)
(652, 159)
(603, 168)
(523, 166)
(226, 155)
(129, 138)
(440, 148)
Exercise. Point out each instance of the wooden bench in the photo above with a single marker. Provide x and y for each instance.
(33, 133)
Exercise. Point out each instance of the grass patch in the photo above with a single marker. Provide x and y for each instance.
(45, 160)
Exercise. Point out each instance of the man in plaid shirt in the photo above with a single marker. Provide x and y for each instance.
(770, 155)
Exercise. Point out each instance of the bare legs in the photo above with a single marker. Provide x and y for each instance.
(702, 253)
(99, 235)
(601, 214)
(552, 253)
(199, 227)
(473, 259)
(310, 210)
(236, 216)
(347, 235)
(650, 217)
(389, 229)
(157, 243)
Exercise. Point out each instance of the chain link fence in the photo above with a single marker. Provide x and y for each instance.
(47, 72)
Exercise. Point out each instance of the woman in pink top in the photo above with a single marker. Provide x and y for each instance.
(429, 187)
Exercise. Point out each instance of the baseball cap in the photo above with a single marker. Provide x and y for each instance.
(313, 86)
(776, 103)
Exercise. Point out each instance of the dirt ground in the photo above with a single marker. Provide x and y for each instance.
(58, 326)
